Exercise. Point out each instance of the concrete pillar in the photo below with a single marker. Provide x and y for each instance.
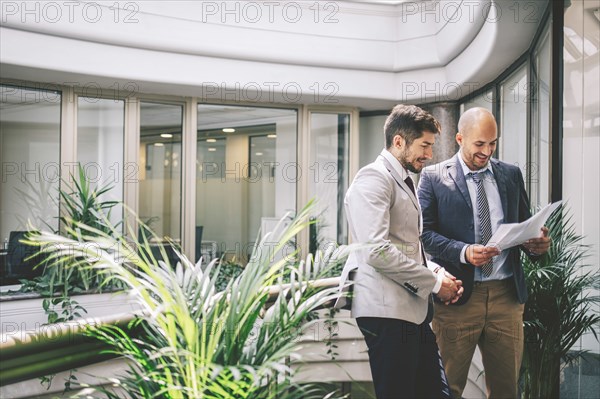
(447, 114)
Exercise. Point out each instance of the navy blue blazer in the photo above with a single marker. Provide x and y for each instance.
(448, 217)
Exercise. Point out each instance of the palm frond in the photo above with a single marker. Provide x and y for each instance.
(559, 309)
(192, 341)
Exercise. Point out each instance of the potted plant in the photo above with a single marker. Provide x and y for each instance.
(201, 343)
(559, 309)
(61, 279)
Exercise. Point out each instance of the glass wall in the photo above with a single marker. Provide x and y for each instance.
(160, 168)
(328, 175)
(100, 137)
(30, 159)
(484, 100)
(540, 107)
(581, 144)
(513, 119)
(246, 176)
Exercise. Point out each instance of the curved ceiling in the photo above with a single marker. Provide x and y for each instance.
(345, 52)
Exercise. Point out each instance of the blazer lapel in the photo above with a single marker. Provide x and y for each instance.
(501, 183)
(401, 183)
(455, 172)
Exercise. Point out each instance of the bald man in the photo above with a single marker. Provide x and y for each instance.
(464, 200)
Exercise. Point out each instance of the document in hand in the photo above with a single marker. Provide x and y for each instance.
(512, 234)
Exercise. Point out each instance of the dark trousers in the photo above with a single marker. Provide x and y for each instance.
(404, 359)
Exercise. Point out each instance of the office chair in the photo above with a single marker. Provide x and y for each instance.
(22, 259)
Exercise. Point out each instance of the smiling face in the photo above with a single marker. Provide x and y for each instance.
(477, 138)
(413, 156)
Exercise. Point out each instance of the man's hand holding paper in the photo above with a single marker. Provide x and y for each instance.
(478, 255)
(540, 245)
(526, 233)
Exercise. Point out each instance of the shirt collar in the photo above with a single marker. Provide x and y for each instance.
(395, 164)
(466, 169)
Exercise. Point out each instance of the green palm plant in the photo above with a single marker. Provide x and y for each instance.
(559, 309)
(196, 342)
(80, 205)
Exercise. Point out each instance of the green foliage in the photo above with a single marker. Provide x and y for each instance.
(69, 309)
(332, 326)
(560, 307)
(226, 272)
(64, 276)
(197, 342)
(81, 204)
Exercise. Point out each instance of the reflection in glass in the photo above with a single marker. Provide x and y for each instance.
(328, 175)
(513, 119)
(100, 135)
(160, 174)
(540, 153)
(246, 176)
(30, 157)
(484, 100)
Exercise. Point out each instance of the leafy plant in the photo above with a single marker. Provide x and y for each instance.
(332, 326)
(227, 271)
(81, 204)
(197, 342)
(559, 310)
(65, 276)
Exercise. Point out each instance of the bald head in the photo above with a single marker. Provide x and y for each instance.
(477, 137)
(474, 118)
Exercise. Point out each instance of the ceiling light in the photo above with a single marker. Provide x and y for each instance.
(228, 130)
(211, 140)
(272, 136)
(159, 145)
(166, 135)
(258, 154)
(212, 149)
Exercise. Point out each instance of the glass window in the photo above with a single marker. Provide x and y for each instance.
(513, 119)
(328, 175)
(160, 178)
(30, 157)
(100, 127)
(246, 176)
(540, 151)
(484, 100)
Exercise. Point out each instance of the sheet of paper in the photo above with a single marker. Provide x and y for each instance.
(512, 234)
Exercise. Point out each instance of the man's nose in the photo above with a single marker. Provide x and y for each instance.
(429, 153)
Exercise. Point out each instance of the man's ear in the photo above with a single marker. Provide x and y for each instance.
(459, 138)
(398, 141)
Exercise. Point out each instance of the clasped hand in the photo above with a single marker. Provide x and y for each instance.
(451, 289)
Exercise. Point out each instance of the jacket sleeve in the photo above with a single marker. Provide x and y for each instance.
(436, 245)
(368, 201)
(524, 209)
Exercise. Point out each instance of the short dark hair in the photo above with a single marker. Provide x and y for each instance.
(409, 121)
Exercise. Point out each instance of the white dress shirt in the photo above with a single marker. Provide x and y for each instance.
(501, 270)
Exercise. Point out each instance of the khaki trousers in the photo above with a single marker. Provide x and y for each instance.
(493, 319)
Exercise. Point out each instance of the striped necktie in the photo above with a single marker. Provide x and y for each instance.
(485, 224)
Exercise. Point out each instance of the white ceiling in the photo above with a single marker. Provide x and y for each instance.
(365, 55)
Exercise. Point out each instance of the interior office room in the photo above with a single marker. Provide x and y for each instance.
(212, 120)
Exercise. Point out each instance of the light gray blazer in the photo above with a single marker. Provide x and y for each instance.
(390, 280)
